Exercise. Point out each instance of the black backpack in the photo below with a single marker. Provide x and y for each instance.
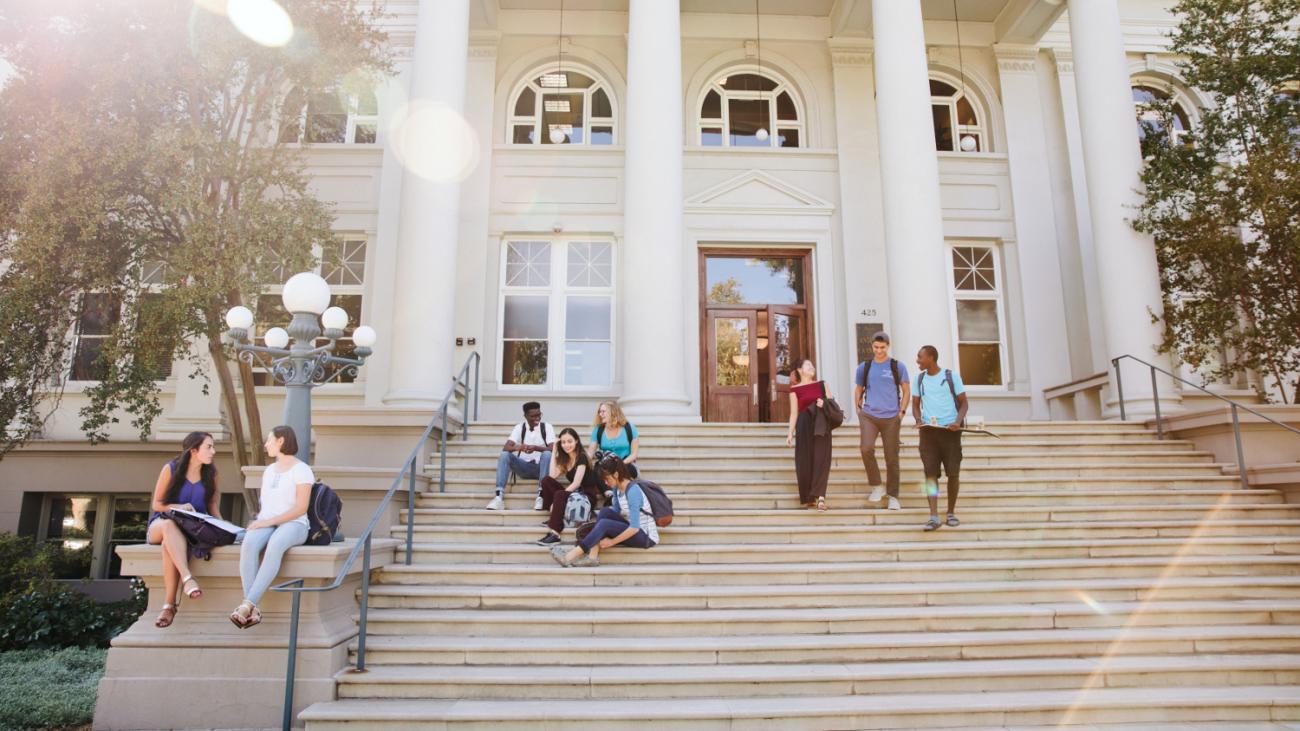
(324, 511)
(952, 389)
(866, 383)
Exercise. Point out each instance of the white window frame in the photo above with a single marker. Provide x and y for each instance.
(799, 124)
(979, 129)
(540, 138)
(997, 295)
(558, 292)
(353, 104)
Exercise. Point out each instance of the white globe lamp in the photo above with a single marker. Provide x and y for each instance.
(306, 292)
(239, 318)
(968, 144)
(334, 318)
(364, 337)
(277, 337)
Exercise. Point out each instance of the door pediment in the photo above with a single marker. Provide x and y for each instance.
(755, 191)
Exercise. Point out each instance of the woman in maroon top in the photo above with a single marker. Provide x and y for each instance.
(812, 453)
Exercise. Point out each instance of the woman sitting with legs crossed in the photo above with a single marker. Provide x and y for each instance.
(627, 522)
(569, 460)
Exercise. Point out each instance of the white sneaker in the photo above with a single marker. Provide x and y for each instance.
(537, 504)
(893, 504)
(877, 494)
(497, 504)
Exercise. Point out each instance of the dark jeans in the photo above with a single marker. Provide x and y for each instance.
(888, 429)
(610, 523)
(555, 497)
(812, 458)
(941, 448)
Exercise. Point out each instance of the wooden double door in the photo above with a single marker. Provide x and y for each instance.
(750, 347)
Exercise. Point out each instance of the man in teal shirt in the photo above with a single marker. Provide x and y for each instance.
(939, 407)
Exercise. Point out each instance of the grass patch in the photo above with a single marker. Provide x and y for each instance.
(49, 689)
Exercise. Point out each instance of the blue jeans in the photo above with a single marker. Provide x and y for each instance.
(257, 575)
(511, 462)
(610, 523)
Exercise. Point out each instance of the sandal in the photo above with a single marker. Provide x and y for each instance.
(194, 593)
(821, 505)
(952, 520)
(239, 617)
(166, 616)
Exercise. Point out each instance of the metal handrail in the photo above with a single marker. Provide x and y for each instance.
(296, 586)
(1155, 398)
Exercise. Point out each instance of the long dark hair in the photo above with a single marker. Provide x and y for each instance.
(562, 457)
(613, 465)
(181, 466)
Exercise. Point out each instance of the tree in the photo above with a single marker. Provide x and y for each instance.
(139, 141)
(1223, 202)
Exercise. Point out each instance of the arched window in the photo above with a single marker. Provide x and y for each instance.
(749, 109)
(1148, 99)
(330, 116)
(563, 107)
(956, 119)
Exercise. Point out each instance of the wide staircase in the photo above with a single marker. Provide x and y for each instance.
(1100, 576)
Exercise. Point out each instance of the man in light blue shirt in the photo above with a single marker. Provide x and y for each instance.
(881, 397)
(939, 408)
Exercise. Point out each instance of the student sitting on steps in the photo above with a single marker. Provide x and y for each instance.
(939, 408)
(612, 434)
(527, 453)
(571, 461)
(629, 521)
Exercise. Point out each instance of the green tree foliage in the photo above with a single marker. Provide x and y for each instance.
(142, 134)
(1223, 202)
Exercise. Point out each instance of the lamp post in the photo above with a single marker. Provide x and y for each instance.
(292, 356)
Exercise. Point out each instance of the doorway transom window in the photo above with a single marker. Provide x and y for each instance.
(735, 107)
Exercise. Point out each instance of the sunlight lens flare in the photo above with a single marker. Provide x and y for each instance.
(263, 21)
(434, 142)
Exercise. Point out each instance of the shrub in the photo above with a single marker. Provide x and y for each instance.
(42, 689)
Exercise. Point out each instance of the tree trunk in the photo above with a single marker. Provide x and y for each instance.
(228, 397)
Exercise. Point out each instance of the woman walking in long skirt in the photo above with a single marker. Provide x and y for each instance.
(812, 452)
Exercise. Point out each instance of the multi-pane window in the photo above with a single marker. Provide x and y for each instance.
(557, 313)
(976, 283)
(100, 314)
(562, 107)
(1148, 100)
(750, 110)
(331, 116)
(343, 267)
(956, 118)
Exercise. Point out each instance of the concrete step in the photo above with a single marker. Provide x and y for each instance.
(881, 646)
(898, 529)
(926, 547)
(518, 500)
(1095, 593)
(910, 471)
(882, 574)
(878, 516)
(751, 623)
(815, 679)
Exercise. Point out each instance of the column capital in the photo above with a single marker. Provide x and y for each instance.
(1016, 57)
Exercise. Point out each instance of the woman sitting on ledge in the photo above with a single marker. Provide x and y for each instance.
(281, 524)
(628, 522)
(188, 482)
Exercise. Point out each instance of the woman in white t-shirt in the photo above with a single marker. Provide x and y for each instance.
(281, 524)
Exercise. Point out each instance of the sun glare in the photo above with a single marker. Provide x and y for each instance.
(263, 21)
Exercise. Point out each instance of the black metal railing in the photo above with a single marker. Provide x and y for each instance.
(461, 387)
(1155, 399)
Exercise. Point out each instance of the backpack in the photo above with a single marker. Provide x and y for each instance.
(577, 510)
(660, 504)
(866, 383)
(324, 511)
(952, 389)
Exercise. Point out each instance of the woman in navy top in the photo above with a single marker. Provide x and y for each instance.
(188, 482)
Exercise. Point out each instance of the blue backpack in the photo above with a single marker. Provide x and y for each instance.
(324, 511)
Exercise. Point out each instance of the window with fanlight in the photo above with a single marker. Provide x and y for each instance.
(958, 120)
(750, 109)
(332, 116)
(976, 283)
(562, 107)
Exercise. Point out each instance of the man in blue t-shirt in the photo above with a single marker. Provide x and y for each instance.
(881, 397)
(939, 407)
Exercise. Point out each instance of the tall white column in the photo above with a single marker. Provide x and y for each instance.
(653, 347)
(909, 177)
(1126, 260)
(429, 223)
(1031, 192)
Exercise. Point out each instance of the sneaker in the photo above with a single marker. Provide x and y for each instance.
(893, 504)
(497, 504)
(585, 562)
(550, 539)
(537, 504)
(877, 494)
